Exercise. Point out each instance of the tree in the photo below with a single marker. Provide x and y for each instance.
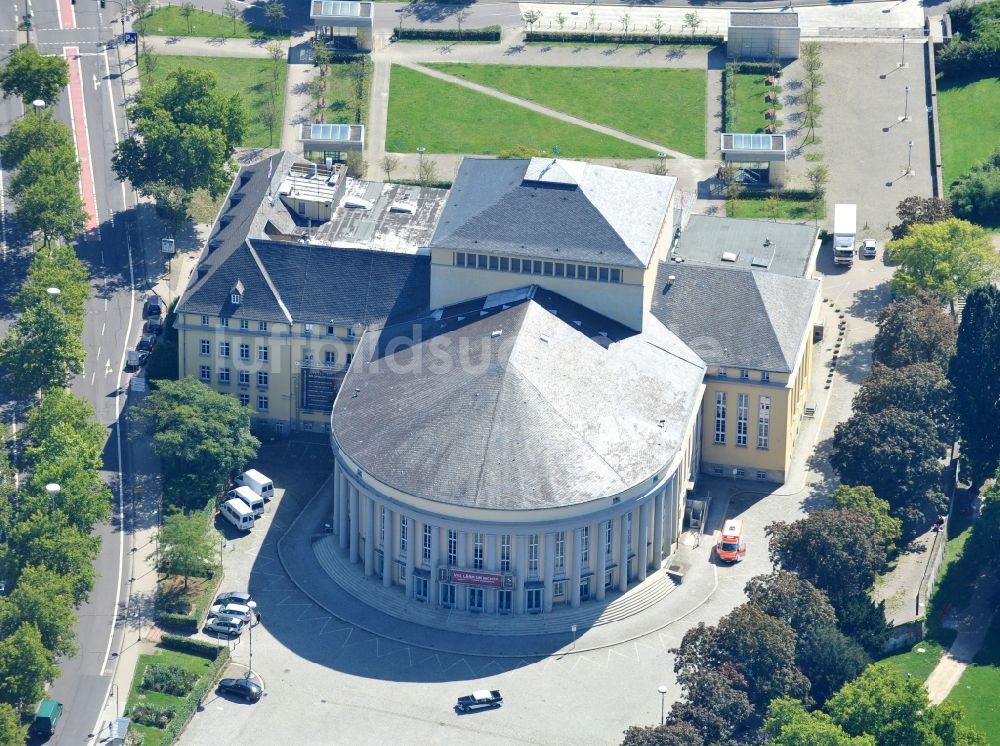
(322, 55)
(187, 545)
(715, 704)
(356, 164)
(531, 17)
(897, 712)
(186, 10)
(150, 59)
(427, 172)
(658, 25)
(818, 176)
(592, 17)
(275, 12)
(916, 329)
(34, 76)
(25, 667)
(389, 164)
(973, 373)
(626, 22)
(141, 9)
(789, 724)
(11, 730)
(52, 206)
(44, 600)
(862, 499)
(896, 453)
(42, 351)
(692, 20)
(811, 56)
(950, 258)
(460, 18)
(561, 23)
(915, 210)
(202, 436)
(232, 11)
(36, 132)
(829, 658)
(921, 387)
(975, 195)
(58, 267)
(671, 734)
(173, 204)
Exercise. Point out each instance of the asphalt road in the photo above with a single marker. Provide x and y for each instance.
(111, 251)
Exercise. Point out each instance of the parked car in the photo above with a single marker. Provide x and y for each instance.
(154, 306)
(481, 699)
(225, 626)
(869, 248)
(234, 597)
(135, 359)
(146, 343)
(153, 325)
(233, 611)
(242, 687)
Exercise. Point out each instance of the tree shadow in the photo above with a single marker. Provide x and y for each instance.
(854, 363)
(869, 302)
(816, 495)
(515, 49)
(675, 53)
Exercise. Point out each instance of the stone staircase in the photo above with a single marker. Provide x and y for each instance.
(617, 606)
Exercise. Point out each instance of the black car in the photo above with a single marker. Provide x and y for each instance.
(154, 306)
(242, 687)
(154, 325)
(146, 343)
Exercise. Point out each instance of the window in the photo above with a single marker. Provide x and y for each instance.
(235, 298)
(307, 425)
(571, 271)
(742, 418)
(223, 375)
(245, 400)
(308, 329)
(505, 553)
(764, 422)
(515, 265)
(459, 258)
(526, 267)
(452, 547)
(744, 374)
(206, 347)
(425, 550)
(244, 352)
(244, 324)
(560, 546)
(560, 269)
(616, 275)
(720, 416)
(403, 532)
(262, 377)
(762, 475)
(592, 273)
(204, 320)
(536, 267)
(717, 470)
(262, 353)
(608, 538)
(723, 373)
(477, 551)
(307, 357)
(603, 274)
(494, 262)
(765, 375)
(330, 330)
(739, 472)
(482, 261)
(533, 554)
(205, 373)
(330, 357)
(628, 530)
(448, 595)
(381, 526)
(224, 320)
(350, 332)
(420, 588)
(547, 268)
(348, 358)
(262, 403)
(244, 377)
(585, 546)
(262, 326)
(223, 349)
(504, 264)
(558, 589)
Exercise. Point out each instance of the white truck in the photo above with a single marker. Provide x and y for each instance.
(845, 227)
(259, 483)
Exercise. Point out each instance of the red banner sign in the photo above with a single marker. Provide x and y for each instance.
(475, 578)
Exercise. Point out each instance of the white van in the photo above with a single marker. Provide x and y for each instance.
(237, 513)
(253, 501)
(256, 481)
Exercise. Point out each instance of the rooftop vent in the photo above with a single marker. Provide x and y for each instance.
(357, 203)
(203, 270)
(215, 243)
(671, 279)
(758, 261)
(543, 338)
(225, 220)
(405, 207)
(235, 199)
(496, 333)
(728, 256)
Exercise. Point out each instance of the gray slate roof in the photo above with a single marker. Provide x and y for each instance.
(706, 237)
(563, 210)
(764, 19)
(549, 412)
(736, 318)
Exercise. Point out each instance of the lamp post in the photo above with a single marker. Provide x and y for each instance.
(572, 629)
(39, 104)
(53, 489)
(902, 54)
(252, 605)
(420, 154)
(909, 158)
(118, 711)
(662, 689)
(906, 104)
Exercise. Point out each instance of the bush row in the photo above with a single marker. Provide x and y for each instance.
(168, 679)
(487, 33)
(181, 622)
(610, 38)
(442, 184)
(192, 647)
(788, 195)
(186, 711)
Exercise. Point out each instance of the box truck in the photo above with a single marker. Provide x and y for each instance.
(256, 481)
(845, 227)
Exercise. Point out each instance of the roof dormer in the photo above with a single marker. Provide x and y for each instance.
(236, 294)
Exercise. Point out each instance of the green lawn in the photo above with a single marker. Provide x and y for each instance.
(168, 21)
(446, 118)
(247, 76)
(201, 666)
(748, 114)
(760, 209)
(339, 99)
(664, 106)
(970, 124)
(915, 662)
(955, 578)
(977, 690)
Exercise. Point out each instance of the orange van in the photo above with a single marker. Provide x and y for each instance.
(731, 547)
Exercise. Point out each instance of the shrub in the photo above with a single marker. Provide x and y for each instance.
(168, 679)
(487, 33)
(615, 38)
(193, 647)
(181, 622)
(151, 715)
(186, 710)
(975, 196)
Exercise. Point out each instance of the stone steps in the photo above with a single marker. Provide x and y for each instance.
(391, 601)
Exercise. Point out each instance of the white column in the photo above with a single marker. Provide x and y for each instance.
(574, 568)
(432, 591)
(602, 561)
(344, 502)
(388, 550)
(550, 561)
(623, 547)
(658, 529)
(370, 535)
(491, 564)
(411, 552)
(520, 566)
(334, 518)
(355, 524)
(642, 548)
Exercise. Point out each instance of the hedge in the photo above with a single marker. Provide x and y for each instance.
(607, 38)
(193, 647)
(788, 195)
(182, 622)
(440, 184)
(487, 33)
(186, 711)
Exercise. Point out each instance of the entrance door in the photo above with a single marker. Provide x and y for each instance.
(585, 589)
(476, 597)
(420, 588)
(534, 600)
(505, 602)
(448, 595)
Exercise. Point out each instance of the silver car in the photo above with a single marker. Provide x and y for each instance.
(234, 611)
(225, 626)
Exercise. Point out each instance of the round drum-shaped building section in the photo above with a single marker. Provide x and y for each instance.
(514, 453)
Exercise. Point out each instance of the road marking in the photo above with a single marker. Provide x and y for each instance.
(97, 83)
(98, 355)
(67, 14)
(3, 215)
(92, 377)
(78, 115)
(104, 324)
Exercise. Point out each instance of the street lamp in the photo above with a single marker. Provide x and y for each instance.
(662, 689)
(118, 711)
(420, 152)
(252, 605)
(906, 104)
(53, 489)
(909, 158)
(39, 104)
(902, 55)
